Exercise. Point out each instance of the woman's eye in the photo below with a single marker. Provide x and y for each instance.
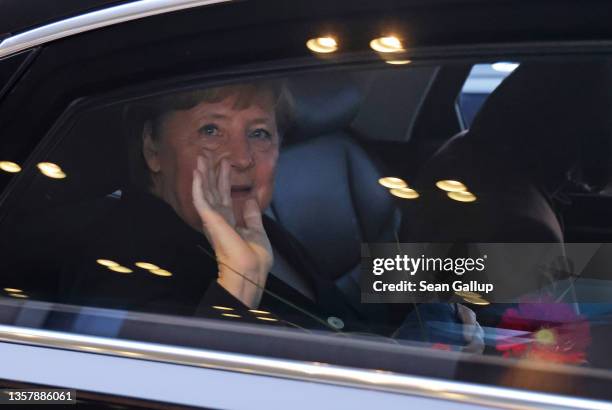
(260, 133)
(209, 130)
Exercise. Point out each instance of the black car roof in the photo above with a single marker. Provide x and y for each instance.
(20, 15)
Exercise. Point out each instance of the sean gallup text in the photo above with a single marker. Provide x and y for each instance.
(425, 286)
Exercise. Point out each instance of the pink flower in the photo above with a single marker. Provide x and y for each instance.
(546, 331)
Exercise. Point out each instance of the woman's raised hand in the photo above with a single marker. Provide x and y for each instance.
(244, 254)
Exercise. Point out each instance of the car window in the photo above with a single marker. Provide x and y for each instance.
(257, 202)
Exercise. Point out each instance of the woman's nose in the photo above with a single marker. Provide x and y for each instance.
(240, 154)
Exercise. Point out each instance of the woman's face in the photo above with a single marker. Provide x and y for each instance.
(246, 136)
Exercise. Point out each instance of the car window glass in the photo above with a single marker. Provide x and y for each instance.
(259, 202)
(482, 80)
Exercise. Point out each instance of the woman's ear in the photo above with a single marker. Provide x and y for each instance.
(150, 148)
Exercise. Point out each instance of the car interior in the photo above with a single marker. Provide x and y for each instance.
(539, 165)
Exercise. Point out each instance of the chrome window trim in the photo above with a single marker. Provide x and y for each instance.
(94, 20)
(113, 379)
(380, 380)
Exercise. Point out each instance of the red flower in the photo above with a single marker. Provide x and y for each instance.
(546, 331)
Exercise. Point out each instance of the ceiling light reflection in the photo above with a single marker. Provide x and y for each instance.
(269, 319)
(107, 262)
(13, 290)
(405, 193)
(146, 265)
(120, 269)
(398, 62)
(230, 315)
(222, 308)
(9, 166)
(480, 302)
(392, 182)
(462, 196)
(388, 44)
(161, 272)
(474, 300)
(18, 295)
(259, 312)
(451, 185)
(322, 45)
(51, 170)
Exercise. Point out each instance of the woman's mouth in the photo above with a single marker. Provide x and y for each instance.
(241, 191)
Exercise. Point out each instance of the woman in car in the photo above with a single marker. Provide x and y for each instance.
(211, 155)
(188, 235)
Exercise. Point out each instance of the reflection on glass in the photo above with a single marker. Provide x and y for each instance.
(451, 185)
(146, 265)
(269, 319)
(398, 62)
(107, 262)
(546, 331)
(462, 196)
(13, 290)
(120, 269)
(545, 337)
(161, 272)
(51, 170)
(406, 193)
(9, 166)
(392, 182)
(322, 44)
(222, 308)
(259, 312)
(389, 44)
(476, 301)
(504, 67)
(417, 224)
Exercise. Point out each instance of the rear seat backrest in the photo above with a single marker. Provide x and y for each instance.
(327, 195)
(326, 192)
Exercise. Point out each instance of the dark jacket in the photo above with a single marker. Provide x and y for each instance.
(143, 228)
(54, 256)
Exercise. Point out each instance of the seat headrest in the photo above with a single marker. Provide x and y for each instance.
(323, 103)
(327, 195)
(523, 142)
(551, 111)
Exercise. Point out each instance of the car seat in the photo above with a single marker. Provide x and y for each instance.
(327, 193)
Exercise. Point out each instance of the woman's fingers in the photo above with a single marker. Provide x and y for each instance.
(252, 215)
(201, 167)
(224, 185)
(197, 192)
(211, 173)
